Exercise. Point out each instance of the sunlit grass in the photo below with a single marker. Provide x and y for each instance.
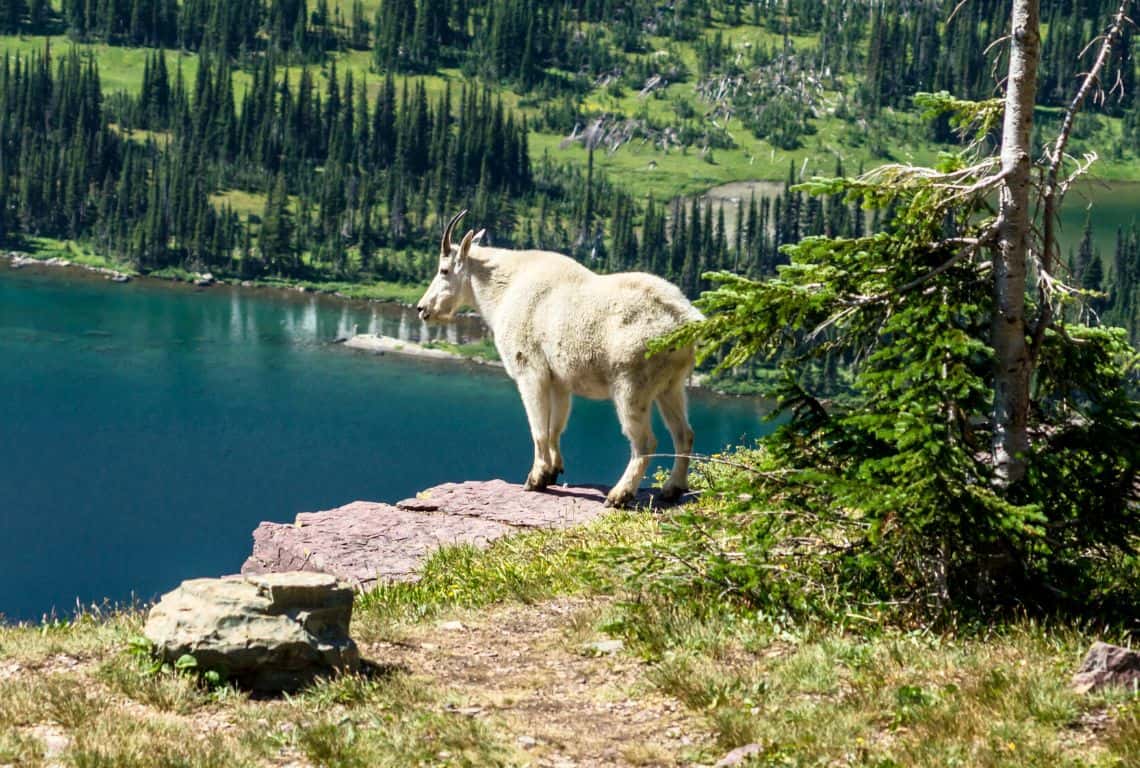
(242, 202)
(527, 568)
(819, 695)
(807, 694)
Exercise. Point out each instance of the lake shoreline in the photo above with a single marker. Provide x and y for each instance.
(21, 259)
(158, 425)
(378, 344)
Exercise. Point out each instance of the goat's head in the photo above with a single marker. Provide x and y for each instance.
(451, 286)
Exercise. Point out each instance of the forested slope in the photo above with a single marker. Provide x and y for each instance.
(327, 141)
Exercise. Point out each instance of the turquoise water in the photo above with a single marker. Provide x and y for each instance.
(146, 429)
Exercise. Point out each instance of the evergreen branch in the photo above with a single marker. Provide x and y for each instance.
(972, 244)
(779, 475)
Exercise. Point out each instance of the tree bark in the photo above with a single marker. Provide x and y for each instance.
(1011, 350)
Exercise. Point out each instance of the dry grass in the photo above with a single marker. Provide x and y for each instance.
(488, 661)
(895, 699)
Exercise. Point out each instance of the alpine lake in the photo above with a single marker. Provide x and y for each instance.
(147, 428)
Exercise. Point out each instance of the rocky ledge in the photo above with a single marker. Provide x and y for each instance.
(380, 345)
(365, 542)
(19, 260)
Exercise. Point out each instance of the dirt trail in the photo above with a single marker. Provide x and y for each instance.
(532, 671)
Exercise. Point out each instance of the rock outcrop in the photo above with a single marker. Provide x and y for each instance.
(1107, 665)
(366, 542)
(382, 345)
(270, 632)
(361, 542)
(19, 260)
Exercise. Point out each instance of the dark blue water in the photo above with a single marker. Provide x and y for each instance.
(145, 429)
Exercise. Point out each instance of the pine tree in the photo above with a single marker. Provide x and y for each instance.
(277, 229)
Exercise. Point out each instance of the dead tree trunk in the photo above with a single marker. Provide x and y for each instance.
(1011, 350)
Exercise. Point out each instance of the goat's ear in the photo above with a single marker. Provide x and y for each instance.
(478, 237)
(464, 247)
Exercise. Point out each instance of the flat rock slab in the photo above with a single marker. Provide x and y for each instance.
(556, 507)
(365, 542)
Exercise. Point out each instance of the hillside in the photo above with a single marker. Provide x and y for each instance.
(321, 142)
(532, 654)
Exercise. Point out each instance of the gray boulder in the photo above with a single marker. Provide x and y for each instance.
(1107, 665)
(268, 632)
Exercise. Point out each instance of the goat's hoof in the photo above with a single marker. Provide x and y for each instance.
(618, 499)
(672, 492)
(536, 483)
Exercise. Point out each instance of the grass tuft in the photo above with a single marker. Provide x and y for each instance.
(525, 568)
(68, 701)
(164, 689)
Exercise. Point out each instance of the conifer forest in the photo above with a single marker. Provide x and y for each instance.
(309, 140)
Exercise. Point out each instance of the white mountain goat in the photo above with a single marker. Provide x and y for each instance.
(561, 329)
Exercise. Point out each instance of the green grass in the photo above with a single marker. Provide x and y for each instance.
(818, 695)
(484, 348)
(112, 711)
(807, 694)
(80, 253)
(44, 248)
(640, 168)
(120, 67)
(404, 293)
(242, 202)
(526, 568)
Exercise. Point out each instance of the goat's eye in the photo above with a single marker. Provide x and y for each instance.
(443, 272)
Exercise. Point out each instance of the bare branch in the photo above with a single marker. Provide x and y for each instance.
(961, 4)
(996, 43)
(841, 315)
(1053, 192)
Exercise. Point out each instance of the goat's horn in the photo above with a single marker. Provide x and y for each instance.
(445, 244)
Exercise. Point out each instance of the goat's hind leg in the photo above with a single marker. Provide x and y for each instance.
(559, 415)
(535, 394)
(633, 410)
(671, 403)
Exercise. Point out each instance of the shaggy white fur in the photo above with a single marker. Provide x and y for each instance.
(560, 329)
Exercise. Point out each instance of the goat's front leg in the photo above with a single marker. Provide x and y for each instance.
(534, 390)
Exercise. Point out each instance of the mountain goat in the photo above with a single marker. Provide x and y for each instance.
(560, 329)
